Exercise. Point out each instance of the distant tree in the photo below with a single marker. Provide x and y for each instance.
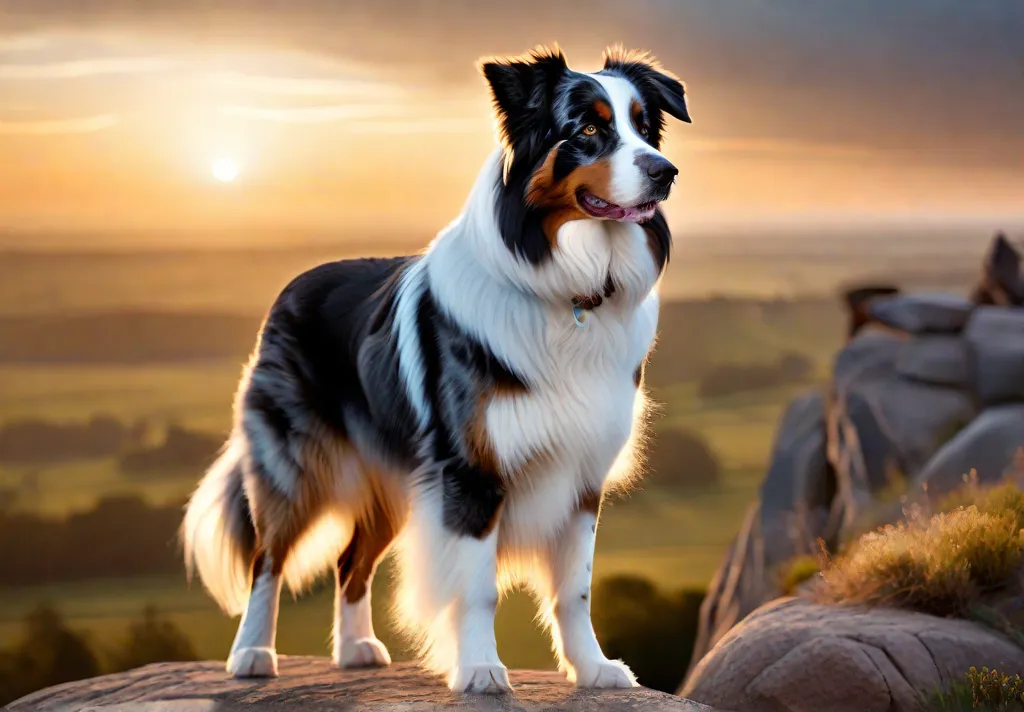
(151, 639)
(794, 367)
(727, 379)
(680, 459)
(182, 450)
(40, 441)
(49, 654)
(120, 536)
(651, 631)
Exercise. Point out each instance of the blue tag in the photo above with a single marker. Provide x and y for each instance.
(579, 315)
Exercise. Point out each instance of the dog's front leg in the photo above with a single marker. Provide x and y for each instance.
(570, 562)
(479, 670)
(470, 506)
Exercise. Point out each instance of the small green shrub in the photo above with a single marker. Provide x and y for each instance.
(986, 690)
(151, 639)
(797, 571)
(651, 630)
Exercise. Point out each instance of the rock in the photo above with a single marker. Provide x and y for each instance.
(1001, 282)
(872, 353)
(796, 473)
(987, 445)
(915, 419)
(796, 656)
(308, 683)
(740, 585)
(792, 514)
(996, 334)
(857, 301)
(881, 422)
(924, 313)
(937, 360)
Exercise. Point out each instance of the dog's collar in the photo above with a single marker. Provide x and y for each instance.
(582, 304)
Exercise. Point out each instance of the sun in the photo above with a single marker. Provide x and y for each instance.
(224, 169)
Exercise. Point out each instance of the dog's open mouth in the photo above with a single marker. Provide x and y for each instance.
(599, 208)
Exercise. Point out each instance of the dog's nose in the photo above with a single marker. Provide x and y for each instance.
(661, 171)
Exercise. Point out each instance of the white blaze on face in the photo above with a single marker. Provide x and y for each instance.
(629, 183)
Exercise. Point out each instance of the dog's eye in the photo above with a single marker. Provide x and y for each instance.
(589, 130)
(643, 131)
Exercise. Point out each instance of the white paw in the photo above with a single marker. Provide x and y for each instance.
(481, 680)
(253, 662)
(361, 653)
(607, 674)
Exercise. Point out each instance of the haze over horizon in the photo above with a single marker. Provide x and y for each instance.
(127, 118)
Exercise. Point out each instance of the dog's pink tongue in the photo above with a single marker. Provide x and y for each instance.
(612, 212)
(631, 214)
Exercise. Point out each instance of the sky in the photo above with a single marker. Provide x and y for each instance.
(361, 119)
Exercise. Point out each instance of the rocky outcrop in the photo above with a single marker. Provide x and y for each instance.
(928, 388)
(795, 656)
(315, 684)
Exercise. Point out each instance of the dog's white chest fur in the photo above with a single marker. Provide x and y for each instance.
(564, 435)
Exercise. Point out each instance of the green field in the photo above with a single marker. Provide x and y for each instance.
(676, 539)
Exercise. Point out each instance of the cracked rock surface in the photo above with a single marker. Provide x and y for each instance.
(310, 683)
(795, 656)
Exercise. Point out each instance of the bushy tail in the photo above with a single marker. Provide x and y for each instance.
(218, 534)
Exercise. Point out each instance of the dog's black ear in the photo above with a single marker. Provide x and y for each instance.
(641, 68)
(522, 89)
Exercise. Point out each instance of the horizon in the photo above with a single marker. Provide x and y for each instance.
(316, 118)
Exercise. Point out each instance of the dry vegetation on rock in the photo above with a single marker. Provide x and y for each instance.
(944, 565)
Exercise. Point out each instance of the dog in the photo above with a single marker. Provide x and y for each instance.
(467, 407)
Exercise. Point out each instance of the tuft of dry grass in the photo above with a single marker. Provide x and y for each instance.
(1001, 499)
(940, 565)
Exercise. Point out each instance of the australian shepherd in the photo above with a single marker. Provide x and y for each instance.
(467, 407)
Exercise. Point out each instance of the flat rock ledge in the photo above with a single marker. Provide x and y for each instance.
(309, 683)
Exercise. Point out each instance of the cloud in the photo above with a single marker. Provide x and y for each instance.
(303, 86)
(23, 43)
(433, 126)
(76, 69)
(84, 124)
(397, 112)
(779, 146)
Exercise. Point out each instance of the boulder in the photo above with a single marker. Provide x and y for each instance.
(796, 656)
(872, 353)
(793, 513)
(1001, 282)
(740, 585)
(857, 301)
(996, 336)
(922, 313)
(882, 422)
(986, 445)
(937, 360)
(308, 683)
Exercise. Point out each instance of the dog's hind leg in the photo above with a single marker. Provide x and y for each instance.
(355, 644)
(254, 653)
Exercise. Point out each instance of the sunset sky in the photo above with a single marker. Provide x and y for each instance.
(371, 117)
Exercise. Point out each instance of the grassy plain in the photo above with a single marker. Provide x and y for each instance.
(674, 538)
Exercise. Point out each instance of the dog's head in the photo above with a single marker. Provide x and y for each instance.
(580, 146)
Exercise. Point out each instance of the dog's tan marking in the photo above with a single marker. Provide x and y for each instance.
(370, 541)
(559, 197)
